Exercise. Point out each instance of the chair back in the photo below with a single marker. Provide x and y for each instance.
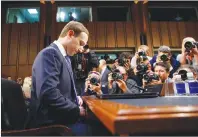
(14, 112)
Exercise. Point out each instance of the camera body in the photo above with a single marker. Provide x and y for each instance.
(141, 53)
(183, 74)
(141, 68)
(164, 57)
(94, 81)
(116, 76)
(150, 76)
(189, 45)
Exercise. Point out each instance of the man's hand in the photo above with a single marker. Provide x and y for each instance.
(96, 88)
(127, 65)
(80, 101)
(195, 51)
(122, 85)
(82, 111)
(153, 82)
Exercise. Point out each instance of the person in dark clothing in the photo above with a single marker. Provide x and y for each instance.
(82, 63)
(53, 97)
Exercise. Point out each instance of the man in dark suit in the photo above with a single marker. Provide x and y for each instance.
(104, 71)
(53, 97)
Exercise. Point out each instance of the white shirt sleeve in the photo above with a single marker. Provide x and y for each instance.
(133, 62)
(178, 57)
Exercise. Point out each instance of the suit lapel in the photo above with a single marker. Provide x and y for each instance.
(104, 73)
(63, 59)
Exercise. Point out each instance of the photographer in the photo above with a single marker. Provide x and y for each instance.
(119, 83)
(82, 63)
(164, 55)
(124, 60)
(162, 70)
(189, 53)
(143, 67)
(143, 50)
(92, 84)
(183, 72)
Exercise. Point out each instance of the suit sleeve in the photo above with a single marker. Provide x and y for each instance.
(130, 87)
(48, 74)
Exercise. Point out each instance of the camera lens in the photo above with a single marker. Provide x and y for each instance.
(188, 45)
(116, 76)
(146, 77)
(94, 81)
(164, 57)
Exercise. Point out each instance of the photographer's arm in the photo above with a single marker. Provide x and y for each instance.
(195, 52)
(122, 85)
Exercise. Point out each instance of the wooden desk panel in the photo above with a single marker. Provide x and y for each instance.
(126, 119)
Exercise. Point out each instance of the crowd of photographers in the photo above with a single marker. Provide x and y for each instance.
(131, 74)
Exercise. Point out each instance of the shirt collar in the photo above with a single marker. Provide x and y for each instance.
(61, 48)
(103, 70)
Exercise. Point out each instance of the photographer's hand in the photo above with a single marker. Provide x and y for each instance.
(127, 66)
(122, 85)
(153, 82)
(96, 88)
(195, 51)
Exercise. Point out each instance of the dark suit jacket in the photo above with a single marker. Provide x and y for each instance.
(52, 96)
(104, 81)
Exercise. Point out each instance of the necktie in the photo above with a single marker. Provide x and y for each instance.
(68, 62)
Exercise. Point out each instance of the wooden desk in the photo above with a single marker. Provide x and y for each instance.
(125, 119)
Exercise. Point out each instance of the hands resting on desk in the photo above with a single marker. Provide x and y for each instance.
(80, 102)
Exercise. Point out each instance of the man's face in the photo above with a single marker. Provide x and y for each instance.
(76, 43)
(161, 72)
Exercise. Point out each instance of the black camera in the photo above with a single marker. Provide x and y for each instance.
(122, 61)
(116, 76)
(141, 68)
(86, 47)
(94, 81)
(183, 74)
(149, 77)
(141, 53)
(164, 57)
(189, 45)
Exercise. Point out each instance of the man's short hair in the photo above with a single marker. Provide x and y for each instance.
(164, 49)
(164, 65)
(126, 55)
(77, 27)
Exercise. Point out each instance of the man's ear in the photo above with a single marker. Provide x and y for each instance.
(70, 33)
